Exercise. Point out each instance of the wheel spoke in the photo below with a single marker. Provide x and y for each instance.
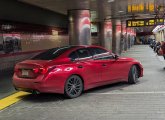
(77, 83)
(71, 81)
(75, 91)
(78, 87)
(69, 84)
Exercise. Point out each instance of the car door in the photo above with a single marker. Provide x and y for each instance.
(107, 63)
(101, 63)
(85, 67)
(114, 69)
(110, 68)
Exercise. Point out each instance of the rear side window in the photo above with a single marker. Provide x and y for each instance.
(73, 55)
(83, 53)
(51, 53)
(100, 51)
(95, 51)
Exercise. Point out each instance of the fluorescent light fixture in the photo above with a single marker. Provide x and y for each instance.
(111, 1)
(121, 11)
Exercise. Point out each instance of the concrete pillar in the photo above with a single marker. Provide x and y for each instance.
(122, 37)
(106, 34)
(79, 27)
(116, 36)
(162, 36)
(113, 35)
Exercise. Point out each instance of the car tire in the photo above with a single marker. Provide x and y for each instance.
(73, 87)
(133, 75)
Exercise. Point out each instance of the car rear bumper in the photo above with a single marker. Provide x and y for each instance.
(33, 85)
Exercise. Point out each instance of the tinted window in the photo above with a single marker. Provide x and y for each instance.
(105, 57)
(100, 51)
(51, 53)
(94, 51)
(73, 55)
(82, 53)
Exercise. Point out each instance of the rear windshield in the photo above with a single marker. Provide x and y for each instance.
(51, 53)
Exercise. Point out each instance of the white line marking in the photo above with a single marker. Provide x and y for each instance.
(130, 93)
(161, 58)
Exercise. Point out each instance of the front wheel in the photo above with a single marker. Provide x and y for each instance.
(73, 86)
(133, 75)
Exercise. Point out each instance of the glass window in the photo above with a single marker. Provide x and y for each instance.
(108, 57)
(73, 55)
(51, 53)
(94, 51)
(82, 53)
(100, 51)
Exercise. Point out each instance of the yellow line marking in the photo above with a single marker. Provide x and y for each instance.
(5, 102)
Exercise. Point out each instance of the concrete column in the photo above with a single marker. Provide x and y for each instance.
(79, 27)
(114, 36)
(162, 36)
(105, 30)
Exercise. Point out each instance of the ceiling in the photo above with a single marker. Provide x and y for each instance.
(100, 9)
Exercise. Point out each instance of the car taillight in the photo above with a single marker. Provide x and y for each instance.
(40, 70)
(16, 70)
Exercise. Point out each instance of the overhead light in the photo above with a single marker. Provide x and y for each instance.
(111, 1)
(120, 11)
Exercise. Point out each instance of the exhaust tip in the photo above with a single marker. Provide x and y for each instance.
(35, 92)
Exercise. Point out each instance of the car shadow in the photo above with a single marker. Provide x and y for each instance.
(44, 97)
(107, 88)
(51, 97)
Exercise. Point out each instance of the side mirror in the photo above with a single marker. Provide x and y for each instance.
(116, 56)
(73, 59)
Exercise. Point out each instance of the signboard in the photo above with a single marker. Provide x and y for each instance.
(140, 6)
(144, 22)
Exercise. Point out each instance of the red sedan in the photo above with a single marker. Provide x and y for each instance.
(71, 70)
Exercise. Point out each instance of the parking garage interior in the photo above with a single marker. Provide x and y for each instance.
(124, 27)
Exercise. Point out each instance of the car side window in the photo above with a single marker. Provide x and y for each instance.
(92, 51)
(100, 54)
(73, 55)
(83, 53)
(95, 51)
(106, 57)
(100, 51)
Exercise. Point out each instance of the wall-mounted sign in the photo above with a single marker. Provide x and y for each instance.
(141, 6)
(144, 22)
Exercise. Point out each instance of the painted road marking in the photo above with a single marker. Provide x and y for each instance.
(161, 58)
(129, 93)
(7, 101)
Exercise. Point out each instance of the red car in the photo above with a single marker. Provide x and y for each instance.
(71, 70)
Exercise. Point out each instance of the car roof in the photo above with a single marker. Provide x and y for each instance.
(74, 47)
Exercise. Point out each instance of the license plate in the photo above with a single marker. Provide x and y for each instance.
(25, 73)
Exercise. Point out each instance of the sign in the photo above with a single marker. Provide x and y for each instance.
(141, 6)
(144, 22)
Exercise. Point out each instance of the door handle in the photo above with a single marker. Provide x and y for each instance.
(104, 65)
(80, 66)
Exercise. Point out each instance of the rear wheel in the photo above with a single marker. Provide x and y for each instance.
(133, 75)
(73, 86)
